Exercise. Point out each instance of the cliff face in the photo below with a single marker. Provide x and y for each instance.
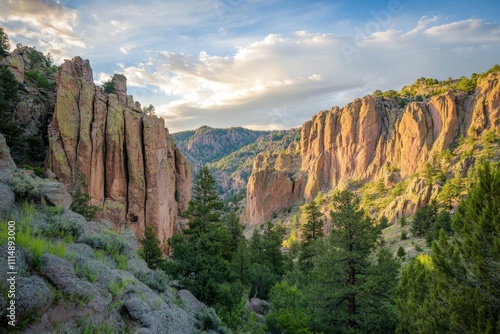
(369, 136)
(355, 142)
(103, 145)
(275, 183)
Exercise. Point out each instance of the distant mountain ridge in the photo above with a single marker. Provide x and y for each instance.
(206, 144)
(229, 152)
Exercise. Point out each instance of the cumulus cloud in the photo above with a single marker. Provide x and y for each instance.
(44, 23)
(280, 81)
(186, 59)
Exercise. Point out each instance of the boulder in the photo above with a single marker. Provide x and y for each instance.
(257, 305)
(33, 295)
(56, 194)
(7, 200)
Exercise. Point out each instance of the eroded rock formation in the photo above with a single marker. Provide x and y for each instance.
(275, 183)
(355, 142)
(103, 145)
(371, 135)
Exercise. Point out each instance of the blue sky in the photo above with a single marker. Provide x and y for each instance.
(262, 64)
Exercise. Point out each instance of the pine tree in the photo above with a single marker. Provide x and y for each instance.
(235, 232)
(268, 263)
(205, 208)
(401, 252)
(312, 222)
(423, 219)
(346, 284)
(151, 251)
(461, 292)
(311, 230)
(4, 42)
(199, 257)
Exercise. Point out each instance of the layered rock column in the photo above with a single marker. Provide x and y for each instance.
(103, 145)
(275, 183)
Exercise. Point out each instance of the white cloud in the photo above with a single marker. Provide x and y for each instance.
(47, 23)
(423, 22)
(186, 58)
(281, 81)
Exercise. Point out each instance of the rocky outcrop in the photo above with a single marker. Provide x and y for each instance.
(86, 292)
(275, 183)
(372, 135)
(7, 166)
(355, 142)
(103, 145)
(35, 102)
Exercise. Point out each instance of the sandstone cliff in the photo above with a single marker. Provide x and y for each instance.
(355, 142)
(275, 183)
(103, 145)
(375, 138)
(33, 104)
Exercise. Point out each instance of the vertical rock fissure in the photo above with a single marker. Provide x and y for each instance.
(105, 150)
(75, 171)
(126, 163)
(143, 147)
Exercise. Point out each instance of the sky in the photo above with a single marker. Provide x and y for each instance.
(260, 64)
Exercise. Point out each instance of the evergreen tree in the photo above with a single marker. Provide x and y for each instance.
(268, 263)
(423, 219)
(442, 222)
(418, 311)
(347, 286)
(461, 293)
(8, 94)
(401, 252)
(4, 42)
(312, 222)
(235, 232)
(109, 87)
(205, 208)
(199, 258)
(151, 251)
(311, 230)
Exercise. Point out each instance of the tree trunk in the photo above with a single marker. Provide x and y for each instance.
(351, 299)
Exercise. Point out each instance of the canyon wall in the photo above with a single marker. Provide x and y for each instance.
(355, 142)
(103, 145)
(276, 183)
(372, 135)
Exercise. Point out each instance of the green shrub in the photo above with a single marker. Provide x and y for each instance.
(88, 272)
(209, 322)
(37, 170)
(466, 85)
(401, 252)
(37, 78)
(62, 229)
(109, 87)
(117, 286)
(108, 241)
(81, 205)
(157, 280)
(403, 235)
(121, 261)
(28, 238)
(26, 187)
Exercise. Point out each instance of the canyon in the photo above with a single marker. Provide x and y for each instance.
(375, 138)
